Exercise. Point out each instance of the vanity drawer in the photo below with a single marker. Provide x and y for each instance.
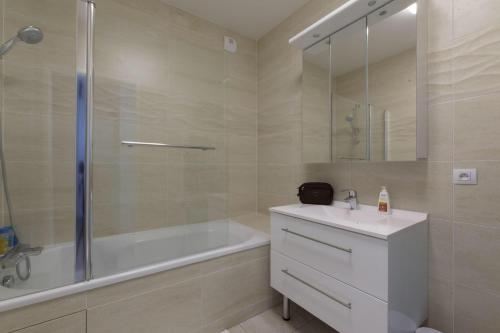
(341, 306)
(358, 260)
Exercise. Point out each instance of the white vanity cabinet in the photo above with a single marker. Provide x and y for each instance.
(358, 271)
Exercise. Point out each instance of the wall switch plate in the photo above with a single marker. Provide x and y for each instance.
(230, 44)
(465, 176)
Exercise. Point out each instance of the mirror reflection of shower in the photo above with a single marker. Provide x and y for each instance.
(350, 118)
(29, 35)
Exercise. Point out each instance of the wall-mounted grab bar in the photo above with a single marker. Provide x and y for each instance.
(166, 145)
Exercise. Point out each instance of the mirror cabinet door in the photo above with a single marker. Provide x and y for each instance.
(316, 111)
(349, 121)
(360, 92)
(392, 72)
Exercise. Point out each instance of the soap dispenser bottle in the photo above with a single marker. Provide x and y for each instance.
(384, 203)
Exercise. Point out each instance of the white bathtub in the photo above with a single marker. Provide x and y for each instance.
(127, 256)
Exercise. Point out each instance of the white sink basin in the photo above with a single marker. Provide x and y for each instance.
(366, 220)
(338, 213)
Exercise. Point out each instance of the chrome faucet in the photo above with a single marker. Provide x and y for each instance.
(15, 256)
(18, 252)
(352, 198)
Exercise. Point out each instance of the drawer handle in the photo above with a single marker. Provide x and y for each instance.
(347, 305)
(318, 241)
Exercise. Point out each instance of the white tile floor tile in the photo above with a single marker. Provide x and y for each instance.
(270, 321)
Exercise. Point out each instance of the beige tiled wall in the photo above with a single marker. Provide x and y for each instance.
(38, 120)
(316, 121)
(161, 75)
(464, 93)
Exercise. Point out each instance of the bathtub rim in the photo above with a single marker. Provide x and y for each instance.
(259, 239)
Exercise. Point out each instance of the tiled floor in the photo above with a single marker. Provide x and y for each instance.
(271, 322)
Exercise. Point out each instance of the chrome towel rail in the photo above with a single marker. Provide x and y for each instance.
(166, 145)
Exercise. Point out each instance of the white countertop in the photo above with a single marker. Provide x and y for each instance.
(365, 220)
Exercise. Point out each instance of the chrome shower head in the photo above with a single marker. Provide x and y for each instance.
(29, 35)
(349, 118)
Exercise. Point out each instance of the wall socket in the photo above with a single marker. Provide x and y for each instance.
(465, 176)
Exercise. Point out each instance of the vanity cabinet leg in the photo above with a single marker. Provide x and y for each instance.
(286, 308)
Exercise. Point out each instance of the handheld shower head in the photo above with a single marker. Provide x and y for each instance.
(349, 118)
(29, 35)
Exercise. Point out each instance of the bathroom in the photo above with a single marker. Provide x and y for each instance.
(151, 150)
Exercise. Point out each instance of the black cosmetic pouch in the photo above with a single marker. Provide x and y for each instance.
(316, 193)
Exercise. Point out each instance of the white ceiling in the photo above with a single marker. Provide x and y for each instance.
(250, 18)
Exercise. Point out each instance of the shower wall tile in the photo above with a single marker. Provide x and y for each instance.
(241, 93)
(439, 19)
(39, 185)
(280, 89)
(241, 178)
(440, 305)
(474, 16)
(151, 311)
(476, 134)
(279, 118)
(240, 120)
(56, 51)
(129, 289)
(280, 148)
(268, 200)
(476, 311)
(440, 76)
(277, 178)
(241, 149)
(242, 204)
(440, 249)
(475, 65)
(42, 312)
(478, 204)
(416, 186)
(476, 253)
(240, 84)
(241, 315)
(176, 84)
(45, 226)
(196, 29)
(29, 137)
(441, 131)
(204, 297)
(74, 323)
(223, 290)
(38, 120)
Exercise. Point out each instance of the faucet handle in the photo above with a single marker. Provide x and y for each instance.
(352, 193)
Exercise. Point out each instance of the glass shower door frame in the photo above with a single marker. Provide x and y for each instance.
(84, 111)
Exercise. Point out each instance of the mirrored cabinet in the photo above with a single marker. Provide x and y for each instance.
(360, 84)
